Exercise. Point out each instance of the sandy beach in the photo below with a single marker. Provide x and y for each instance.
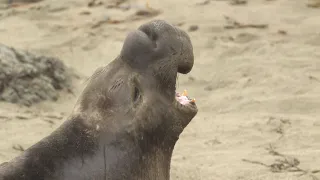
(256, 79)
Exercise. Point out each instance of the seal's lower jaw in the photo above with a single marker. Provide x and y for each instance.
(185, 104)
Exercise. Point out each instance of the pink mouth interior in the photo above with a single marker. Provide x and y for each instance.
(183, 99)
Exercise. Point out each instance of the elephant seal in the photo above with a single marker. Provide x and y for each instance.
(126, 121)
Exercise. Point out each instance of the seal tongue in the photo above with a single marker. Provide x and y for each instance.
(184, 99)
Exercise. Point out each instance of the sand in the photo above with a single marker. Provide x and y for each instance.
(256, 81)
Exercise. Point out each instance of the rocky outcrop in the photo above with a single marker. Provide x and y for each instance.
(27, 78)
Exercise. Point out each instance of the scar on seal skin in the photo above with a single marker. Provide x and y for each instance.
(126, 121)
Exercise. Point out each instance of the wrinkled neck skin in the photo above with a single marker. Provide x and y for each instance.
(74, 152)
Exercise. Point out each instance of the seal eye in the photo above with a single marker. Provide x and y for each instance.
(136, 94)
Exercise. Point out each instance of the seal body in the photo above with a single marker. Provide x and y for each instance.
(126, 121)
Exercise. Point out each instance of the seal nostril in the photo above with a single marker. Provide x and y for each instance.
(152, 36)
(136, 94)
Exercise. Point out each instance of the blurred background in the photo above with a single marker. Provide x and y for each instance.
(256, 78)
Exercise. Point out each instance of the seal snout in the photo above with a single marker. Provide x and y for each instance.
(169, 41)
(158, 40)
(186, 59)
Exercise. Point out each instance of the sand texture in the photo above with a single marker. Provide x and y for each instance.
(256, 78)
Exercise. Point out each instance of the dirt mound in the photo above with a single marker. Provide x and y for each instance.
(26, 78)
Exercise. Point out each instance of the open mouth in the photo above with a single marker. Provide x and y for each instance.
(184, 99)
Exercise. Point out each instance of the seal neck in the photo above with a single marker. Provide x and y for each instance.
(156, 164)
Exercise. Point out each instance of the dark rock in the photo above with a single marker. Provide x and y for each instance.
(26, 78)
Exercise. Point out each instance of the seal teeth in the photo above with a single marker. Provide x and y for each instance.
(185, 93)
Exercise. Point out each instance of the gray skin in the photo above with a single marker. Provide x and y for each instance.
(126, 122)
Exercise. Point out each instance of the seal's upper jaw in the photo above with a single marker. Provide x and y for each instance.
(187, 59)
